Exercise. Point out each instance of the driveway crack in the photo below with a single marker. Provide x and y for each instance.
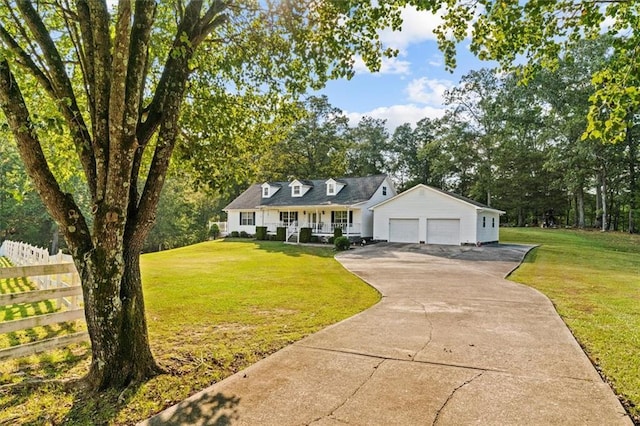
(348, 398)
(437, 418)
(430, 336)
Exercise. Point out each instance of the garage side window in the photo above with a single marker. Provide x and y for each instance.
(484, 221)
(247, 218)
(493, 222)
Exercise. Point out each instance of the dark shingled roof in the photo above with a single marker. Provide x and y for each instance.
(356, 190)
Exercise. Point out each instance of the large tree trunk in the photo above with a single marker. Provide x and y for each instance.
(116, 322)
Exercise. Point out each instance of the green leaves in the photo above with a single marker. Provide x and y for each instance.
(542, 32)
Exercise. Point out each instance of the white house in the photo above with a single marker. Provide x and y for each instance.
(424, 214)
(322, 205)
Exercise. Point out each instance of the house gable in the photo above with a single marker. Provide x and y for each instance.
(299, 188)
(333, 187)
(268, 190)
(447, 197)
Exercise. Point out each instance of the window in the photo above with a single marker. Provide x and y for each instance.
(384, 190)
(296, 190)
(247, 218)
(340, 217)
(265, 191)
(331, 189)
(288, 218)
(484, 221)
(493, 222)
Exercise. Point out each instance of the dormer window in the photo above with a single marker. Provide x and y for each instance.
(268, 190)
(299, 188)
(333, 186)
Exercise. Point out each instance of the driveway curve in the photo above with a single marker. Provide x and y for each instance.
(451, 342)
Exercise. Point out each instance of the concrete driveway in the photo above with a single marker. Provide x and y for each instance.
(452, 342)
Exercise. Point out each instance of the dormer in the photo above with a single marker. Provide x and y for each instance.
(299, 188)
(333, 186)
(268, 190)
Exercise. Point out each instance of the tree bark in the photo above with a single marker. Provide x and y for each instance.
(117, 325)
(580, 206)
(603, 193)
(632, 154)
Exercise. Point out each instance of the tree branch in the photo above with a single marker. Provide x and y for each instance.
(138, 62)
(64, 94)
(61, 206)
(25, 60)
(98, 42)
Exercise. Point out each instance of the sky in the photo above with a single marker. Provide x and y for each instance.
(409, 87)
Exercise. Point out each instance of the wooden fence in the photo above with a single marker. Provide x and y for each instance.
(56, 278)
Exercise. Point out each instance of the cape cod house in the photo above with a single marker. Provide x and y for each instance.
(321, 204)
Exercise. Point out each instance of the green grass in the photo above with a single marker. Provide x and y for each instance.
(593, 279)
(213, 309)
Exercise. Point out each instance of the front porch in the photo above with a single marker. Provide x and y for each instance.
(318, 229)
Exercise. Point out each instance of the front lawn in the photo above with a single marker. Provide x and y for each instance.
(213, 309)
(593, 279)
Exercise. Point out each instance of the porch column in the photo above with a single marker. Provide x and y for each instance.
(348, 221)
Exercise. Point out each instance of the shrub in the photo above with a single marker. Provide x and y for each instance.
(305, 235)
(273, 237)
(330, 240)
(261, 233)
(214, 231)
(235, 234)
(314, 239)
(342, 243)
(281, 233)
(337, 232)
(243, 234)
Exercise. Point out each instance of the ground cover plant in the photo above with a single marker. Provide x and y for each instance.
(593, 279)
(213, 309)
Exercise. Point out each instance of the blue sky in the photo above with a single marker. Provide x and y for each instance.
(408, 87)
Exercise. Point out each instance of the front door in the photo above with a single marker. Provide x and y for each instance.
(313, 221)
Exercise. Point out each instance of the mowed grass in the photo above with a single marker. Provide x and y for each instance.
(593, 279)
(213, 309)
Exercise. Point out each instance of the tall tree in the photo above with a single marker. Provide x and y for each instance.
(541, 32)
(369, 147)
(315, 146)
(118, 78)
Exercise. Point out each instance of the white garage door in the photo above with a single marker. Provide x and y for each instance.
(403, 230)
(443, 231)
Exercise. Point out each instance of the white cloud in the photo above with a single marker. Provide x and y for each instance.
(427, 91)
(417, 26)
(389, 66)
(398, 114)
(436, 61)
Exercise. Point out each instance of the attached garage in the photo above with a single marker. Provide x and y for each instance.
(443, 231)
(403, 230)
(429, 215)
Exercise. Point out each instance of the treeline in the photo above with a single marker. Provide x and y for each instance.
(519, 148)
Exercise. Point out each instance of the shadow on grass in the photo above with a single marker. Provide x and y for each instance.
(206, 408)
(293, 250)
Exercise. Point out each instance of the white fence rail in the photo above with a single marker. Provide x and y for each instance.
(56, 278)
